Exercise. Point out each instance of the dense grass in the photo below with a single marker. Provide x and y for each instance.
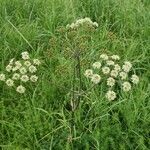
(40, 119)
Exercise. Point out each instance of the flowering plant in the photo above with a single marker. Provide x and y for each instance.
(82, 22)
(19, 72)
(109, 70)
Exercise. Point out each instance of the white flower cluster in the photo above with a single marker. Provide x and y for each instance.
(20, 72)
(81, 22)
(109, 70)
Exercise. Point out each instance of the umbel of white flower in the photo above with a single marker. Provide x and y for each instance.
(21, 89)
(82, 22)
(108, 69)
(110, 95)
(2, 77)
(95, 78)
(25, 55)
(20, 72)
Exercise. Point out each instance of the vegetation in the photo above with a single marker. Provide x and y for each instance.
(62, 111)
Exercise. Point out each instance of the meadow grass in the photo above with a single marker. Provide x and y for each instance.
(41, 119)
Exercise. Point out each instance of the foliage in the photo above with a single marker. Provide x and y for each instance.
(41, 118)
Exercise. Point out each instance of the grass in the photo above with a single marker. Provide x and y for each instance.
(40, 119)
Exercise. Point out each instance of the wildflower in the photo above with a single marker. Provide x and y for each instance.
(78, 22)
(72, 26)
(11, 61)
(36, 62)
(81, 22)
(23, 70)
(24, 78)
(25, 55)
(16, 76)
(135, 79)
(110, 81)
(18, 64)
(115, 57)
(88, 73)
(110, 95)
(123, 75)
(128, 63)
(86, 19)
(33, 78)
(117, 67)
(15, 69)
(95, 24)
(27, 63)
(2, 77)
(10, 82)
(68, 26)
(19, 71)
(96, 65)
(95, 78)
(104, 56)
(110, 62)
(126, 86)
(105, 70)
(8, 68)
(114, 73)
(20, 89)
(32, 69)
(127, 66)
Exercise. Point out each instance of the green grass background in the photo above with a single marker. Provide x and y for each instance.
(39, 120)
